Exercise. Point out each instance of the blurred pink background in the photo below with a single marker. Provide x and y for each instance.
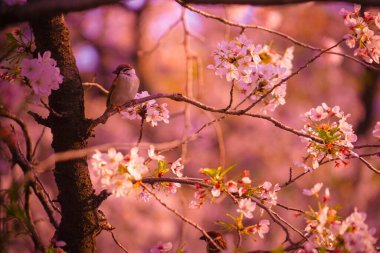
(104, 37)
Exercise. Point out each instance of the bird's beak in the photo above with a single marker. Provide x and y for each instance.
(115, 72)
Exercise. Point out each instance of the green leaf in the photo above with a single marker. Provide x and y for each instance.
(210, 172)
(162, 168)
(50, 249)
(227, 170)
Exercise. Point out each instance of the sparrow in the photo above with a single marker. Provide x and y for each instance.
(124, 87)
(218, 239)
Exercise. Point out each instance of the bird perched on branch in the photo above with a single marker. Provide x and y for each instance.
(218, 239)
(124, 87)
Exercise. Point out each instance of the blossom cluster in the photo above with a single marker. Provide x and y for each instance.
(243, 190)
(42, 73)
(363, 31)
(328, 232)
(336, 136)
(255, 70)
(151, 111)
(376, 131)
(120, 173)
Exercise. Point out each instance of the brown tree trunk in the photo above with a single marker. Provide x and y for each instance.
(69, 128)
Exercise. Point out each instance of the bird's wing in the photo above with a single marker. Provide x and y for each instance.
(110, 93)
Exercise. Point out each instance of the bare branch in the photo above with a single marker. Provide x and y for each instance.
(26, 167)
(280, 34)
(37, 9)
(118, 243)
(181, 216)
(279, 2)
(24, 129)
(92, 84)
(369, 166)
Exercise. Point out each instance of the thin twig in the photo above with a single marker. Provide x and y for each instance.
(294, 179)
(29, 223)
(283, 35)
(117, 242)
(158, 42)
(369, 166)
(189, 181)
(141, 130)
(290, 208)
(292, 74)
(47, 194)
(97, 85)
(38, 142)
(231, 96)
(181, 216)
(24, 129)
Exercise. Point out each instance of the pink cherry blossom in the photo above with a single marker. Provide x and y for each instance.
(363, 31)
(151, 110)
(331, 126)
(263, 228)
(152, 155)
(162, 247)
(255, 69)
(232, 186)
(177, 168)
(42, 73)
(376, 130)
(313, 191)
(246, 207)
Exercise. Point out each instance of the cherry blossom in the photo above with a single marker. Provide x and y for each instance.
(150, 110)
(246, 207)
(356, 235)
(268, 196)
(313, 191)
(329, 232)
(376, 131)
(326, 196)
(255, 69)
(118, 172)
(232, 186)
(199, 197)
(152, 155)
(177, 168)
(363, 32)
(263, 228)
(162, 247)
(216, 190)
(42, 73)
(331, 126)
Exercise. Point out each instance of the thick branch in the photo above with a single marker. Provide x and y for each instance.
(24, 129)
(279, 2)
(45, 8)
(69, 128)
(26, 167)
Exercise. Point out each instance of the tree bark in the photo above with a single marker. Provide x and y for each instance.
(69, 128)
